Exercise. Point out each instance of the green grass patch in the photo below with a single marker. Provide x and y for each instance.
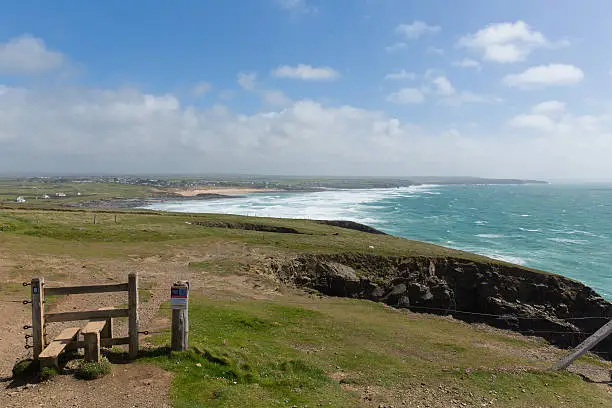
(47, 373)
(144, 295)
(25, 369)
(267, 354)
(92, 370)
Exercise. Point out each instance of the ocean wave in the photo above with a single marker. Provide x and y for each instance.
(480, 222)
(491, 236)
(529, 230)
(569, 241)
(573, 232)
(517, 260)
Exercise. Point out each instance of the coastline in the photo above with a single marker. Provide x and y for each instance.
(222, 191)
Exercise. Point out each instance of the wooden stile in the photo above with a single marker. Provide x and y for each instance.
(96, 333)
(50, 355)
(134, 322)
(86, 315)
(77, 290)
(38, 316)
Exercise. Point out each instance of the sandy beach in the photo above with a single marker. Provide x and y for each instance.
(223, 191)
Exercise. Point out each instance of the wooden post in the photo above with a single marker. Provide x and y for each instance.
(107, 331)
(179, 301)
(38, 316)
(134, 323)
(94, 219)
(115, 218)
(585, 346)
(92, 346)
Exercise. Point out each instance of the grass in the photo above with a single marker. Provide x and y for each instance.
(268, 354)
(47, 373)
(25, 369)
(34, 189)
(92, 370)
(150, 228)
(290, 350)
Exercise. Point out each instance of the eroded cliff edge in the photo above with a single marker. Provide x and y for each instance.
(553, 307)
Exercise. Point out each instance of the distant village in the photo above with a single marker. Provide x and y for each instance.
(22, 199)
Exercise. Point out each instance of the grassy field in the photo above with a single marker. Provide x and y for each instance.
(33, 191)
(258, 344)
(329, 352)
(134, 228)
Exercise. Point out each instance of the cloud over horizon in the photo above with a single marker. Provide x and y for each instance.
(304, 87)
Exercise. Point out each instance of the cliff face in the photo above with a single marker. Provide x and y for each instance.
(507, 297)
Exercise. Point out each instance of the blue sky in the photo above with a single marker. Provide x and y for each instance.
(342, 87)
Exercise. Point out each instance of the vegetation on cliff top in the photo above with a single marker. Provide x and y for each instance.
(256, 343)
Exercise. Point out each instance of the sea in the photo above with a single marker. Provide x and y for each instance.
(560, 228)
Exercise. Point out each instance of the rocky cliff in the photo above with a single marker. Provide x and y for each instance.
(558, 309)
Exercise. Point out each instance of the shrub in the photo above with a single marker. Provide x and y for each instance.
(48, 373)
(92, 370)
(25, 368)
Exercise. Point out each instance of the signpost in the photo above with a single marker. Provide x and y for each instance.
(179, 296)
(179, 302)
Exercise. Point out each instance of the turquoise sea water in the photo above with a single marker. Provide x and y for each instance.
(565, 229)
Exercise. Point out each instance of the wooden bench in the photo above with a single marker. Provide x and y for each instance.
(50, 355)
(93, 332)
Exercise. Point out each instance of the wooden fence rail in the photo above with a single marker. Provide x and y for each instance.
(96, 333)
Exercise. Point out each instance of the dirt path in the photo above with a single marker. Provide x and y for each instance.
(142, 385)
(130, 385)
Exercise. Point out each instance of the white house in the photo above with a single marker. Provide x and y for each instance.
(46, 196)
(21, 200)
(60, 194)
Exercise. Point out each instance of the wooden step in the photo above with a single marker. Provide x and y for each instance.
(49, 356)
(94, 326)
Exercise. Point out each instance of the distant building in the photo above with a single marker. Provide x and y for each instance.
(46, 196)
(78, 194)
(21, 200)
(60, 194)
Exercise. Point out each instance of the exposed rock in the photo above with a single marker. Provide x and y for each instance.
(504, 296)
(247, 226)
(352, 225)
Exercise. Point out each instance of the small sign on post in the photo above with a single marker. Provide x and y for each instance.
(179, 302)
(179, 296)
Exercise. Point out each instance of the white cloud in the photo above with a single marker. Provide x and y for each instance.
(246, 80)
(463, 97)
(416, 29)
(296, 6)
(507, 42)
(534, 121)
(544, 116)
(306, 72)
(443, 86)
(467, 63)
(545, 75)
(77, 129)
(435, 51)
(552, 117)
(201, 88)
(403, 74)
(396, 47)
(28, 55)
(553, 108)
(406, 96)
(227, 94)
(275, 97)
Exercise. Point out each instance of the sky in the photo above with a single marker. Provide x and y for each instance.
(519, 88)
